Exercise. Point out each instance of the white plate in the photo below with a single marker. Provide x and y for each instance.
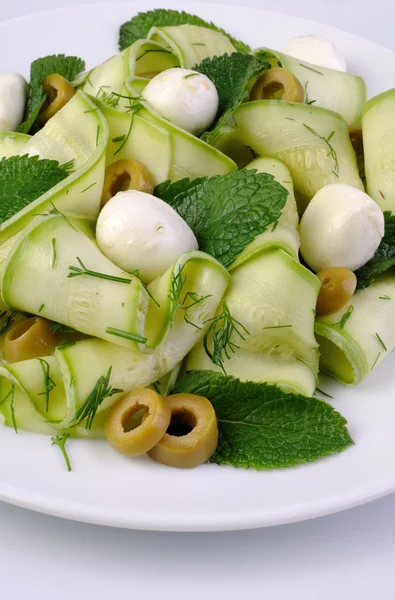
(108, 489)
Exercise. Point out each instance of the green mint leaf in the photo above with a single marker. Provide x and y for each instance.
(226, 212)
(384, 257)
(230, 74)
(138, 27)
(23, 179)
(67, 66)
(262, 427)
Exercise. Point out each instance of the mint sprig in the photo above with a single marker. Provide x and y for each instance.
(138, 27)
(262, 427)
(67, 66)
(226, 212)
(384, 257)
(23, 179)
(230, 74)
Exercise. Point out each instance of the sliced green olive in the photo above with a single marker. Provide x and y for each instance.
(337, 287)
(29, 339)
(355, 132)
(126, 175)
(59, 91)
(277, 83)
(121, 429)
(192, 436)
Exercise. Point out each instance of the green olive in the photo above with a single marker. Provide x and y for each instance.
(126, 175)
(138, 440)
(355, 132)
(59, 91)
(192, 436)
(337, 287)
(29, 339)
(277, 83)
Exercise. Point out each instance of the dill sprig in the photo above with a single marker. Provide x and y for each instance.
(60, 442)
(346, 316)
(375, 362)
(175, 295)
(190, 75)
(49, 383)
(59, 328)
(127, 335)
(134, 108)
(306, 95)
(380, 341)
(53, 252)
(222, 328)
(56, 211)
(311, 69)
(82, 270)
(136, 273)
(323, 393)
(12, 409)
(100, 392)
(8, 321)
(332, 152)
(151, 50)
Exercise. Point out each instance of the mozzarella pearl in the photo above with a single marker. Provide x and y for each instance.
(138, 231)
(13, 92)
(186, 98)
(317, 51)
(341, 227)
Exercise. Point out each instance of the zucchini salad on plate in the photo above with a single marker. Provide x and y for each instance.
(189, 232)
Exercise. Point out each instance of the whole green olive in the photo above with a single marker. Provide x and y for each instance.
(337, 287)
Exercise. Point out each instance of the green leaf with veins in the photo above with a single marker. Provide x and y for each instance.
(384, 257)
(67, 66)
(230, 74)
(138, 27)
(23, 179)
(226, 212)
(262, 427)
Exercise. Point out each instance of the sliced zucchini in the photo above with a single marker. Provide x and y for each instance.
(12, 143)
(313, 142)
(355, 340)
(335, 90)
(77, 133)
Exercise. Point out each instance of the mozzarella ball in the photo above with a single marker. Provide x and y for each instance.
(317, 51)
(186, 98)
(341, 227)
(138, 231)
(13, 92)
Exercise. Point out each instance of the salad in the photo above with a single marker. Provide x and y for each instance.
(189, 232)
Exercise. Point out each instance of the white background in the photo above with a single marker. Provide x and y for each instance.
(346, 556)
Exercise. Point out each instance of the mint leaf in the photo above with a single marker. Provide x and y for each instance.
(138, 27)
(230, 73)
(384, 257)
(226, 212)
(262, 427)
(23, 179)
(67, 66)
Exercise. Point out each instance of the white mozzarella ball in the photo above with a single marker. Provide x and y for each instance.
(341, 227)
(186, 98)
(13, 92)
(317, 51)
(138, 231)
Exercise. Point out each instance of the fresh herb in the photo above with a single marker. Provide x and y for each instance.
(12, 409)
(41, 307)
(119, 138)
(138, 27)
(311, 69)
(136, 272)
(190, 75)
(323, 393)
(332, 152)
(89, 187)
(82, 270)
(49, 383)
(346, 316)
(67, 66)
(8, 321)
(384, 257)
(262, 427)
(156, 387)
(155, 51)
(384, 298)
(56, 211)
(176, 286)
(100, 392)
(306, 96)
(380, 341)
(134, 109)
(276, 326)
(375, 362)
(68, 166)
(53, 248)
(230, 74)
(195, 299)
(8, 394)
(59, 328)
(97, 135)
(60, 442)
(226, 212)
(222, 329)
(64, 346)
(24, 179)
(126, 335)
